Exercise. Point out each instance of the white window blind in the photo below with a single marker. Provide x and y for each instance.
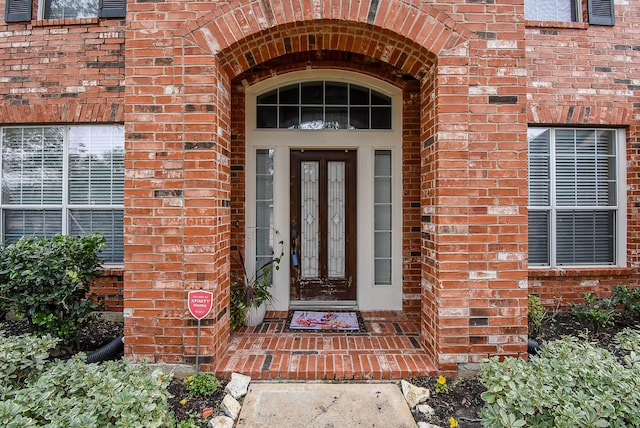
(573, 204)
(549, 10)
(64, 179)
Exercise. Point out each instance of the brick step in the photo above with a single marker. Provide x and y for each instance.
(390, 349)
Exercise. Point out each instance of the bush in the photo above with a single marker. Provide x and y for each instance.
(203, 384)
(570, 384)
(537, 314)
(47, 281)
(629, 298)
(600, 312)
(72, 393)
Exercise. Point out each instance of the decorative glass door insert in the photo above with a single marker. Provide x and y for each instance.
(323, 225)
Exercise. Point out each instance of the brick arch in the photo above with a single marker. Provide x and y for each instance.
(408, 36)
(578, 115)
(63, 113)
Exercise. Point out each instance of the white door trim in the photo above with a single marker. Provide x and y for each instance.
(369, 295)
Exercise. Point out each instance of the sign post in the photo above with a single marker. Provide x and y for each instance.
(200, 304)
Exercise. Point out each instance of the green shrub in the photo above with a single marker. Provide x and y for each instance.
(72, 393)
(600, 312)
(203, 384)
(629, 298)
(570, 384)
(537, 314)
(47, 281)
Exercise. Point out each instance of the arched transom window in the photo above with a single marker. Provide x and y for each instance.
(323, 105)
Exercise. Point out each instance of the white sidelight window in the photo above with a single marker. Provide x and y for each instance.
(576, 197)
(264, 206)
(64, 179)
(382, 212)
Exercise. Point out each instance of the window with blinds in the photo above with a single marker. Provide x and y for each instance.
(599, 12)
(574, 207)
(64, 179)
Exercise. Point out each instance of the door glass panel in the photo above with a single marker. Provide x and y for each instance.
(382, 217)
(336, 93)
(336, 219)
(312, 93)
(310, 214)
(264, 206)
(311, 118)
(289, 117)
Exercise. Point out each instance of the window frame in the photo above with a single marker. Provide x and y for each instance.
(576, 11)
(599, 12)
(66, 207)
(299, 105)
(21, 10)
(553, 208)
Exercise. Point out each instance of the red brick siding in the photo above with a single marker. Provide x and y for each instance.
(65, 72)
(61, 72)
(109, 286)
(584, 75)
(183, 181)
(243, 34)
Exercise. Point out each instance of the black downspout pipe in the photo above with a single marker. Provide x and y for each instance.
(107, 352)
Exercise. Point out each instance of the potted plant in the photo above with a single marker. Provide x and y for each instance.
(250, 294)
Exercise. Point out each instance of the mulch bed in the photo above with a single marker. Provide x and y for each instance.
(462, 400)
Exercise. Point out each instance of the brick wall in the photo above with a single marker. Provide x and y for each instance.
(109, 287)
(464, 139)
(61, 72)
(587, 75)
(65, 72)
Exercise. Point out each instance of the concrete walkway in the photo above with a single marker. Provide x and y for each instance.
(323, 405)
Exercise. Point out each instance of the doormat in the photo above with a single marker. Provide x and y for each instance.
(325, 322)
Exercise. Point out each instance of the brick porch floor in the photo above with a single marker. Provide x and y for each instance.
(390, 349)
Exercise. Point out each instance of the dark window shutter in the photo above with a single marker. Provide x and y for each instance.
(113, 9)
(601, 12)
(18, 10)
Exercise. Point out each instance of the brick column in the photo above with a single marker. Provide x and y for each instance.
(177, 197)
(474, 199)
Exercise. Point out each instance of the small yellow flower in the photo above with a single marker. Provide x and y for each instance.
(442, 380)
(453, 423)
(190, 379)
(183, 401)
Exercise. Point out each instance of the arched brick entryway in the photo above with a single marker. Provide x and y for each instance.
(471, 146)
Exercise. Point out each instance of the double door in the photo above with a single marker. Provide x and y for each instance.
(323, 225)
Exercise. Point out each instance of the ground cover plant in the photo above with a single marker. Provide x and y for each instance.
(36, 391)
(582, 369)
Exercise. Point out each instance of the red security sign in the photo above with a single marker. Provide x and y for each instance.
(200, 303)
